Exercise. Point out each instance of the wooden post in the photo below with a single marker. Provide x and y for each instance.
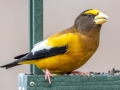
(36, 28)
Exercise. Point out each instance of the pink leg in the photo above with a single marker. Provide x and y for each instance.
(81, 73)
(47, 76)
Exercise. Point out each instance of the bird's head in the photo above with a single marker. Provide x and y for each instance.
(89, 19)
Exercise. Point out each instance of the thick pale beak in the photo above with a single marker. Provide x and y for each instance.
(101, 18)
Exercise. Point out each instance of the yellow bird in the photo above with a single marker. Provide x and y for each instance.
(67, 50)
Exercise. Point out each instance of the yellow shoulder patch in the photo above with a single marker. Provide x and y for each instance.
(62, 40)
(92, 11)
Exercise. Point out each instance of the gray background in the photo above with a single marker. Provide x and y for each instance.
(58, 15)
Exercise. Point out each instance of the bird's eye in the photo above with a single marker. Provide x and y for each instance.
(90, 15)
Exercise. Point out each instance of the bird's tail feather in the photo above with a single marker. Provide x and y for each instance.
(10, 65)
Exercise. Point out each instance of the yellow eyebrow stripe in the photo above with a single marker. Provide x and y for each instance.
(92, 11)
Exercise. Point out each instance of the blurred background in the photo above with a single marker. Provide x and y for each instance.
(58, 15)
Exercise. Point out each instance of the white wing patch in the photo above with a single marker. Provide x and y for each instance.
(40, 46)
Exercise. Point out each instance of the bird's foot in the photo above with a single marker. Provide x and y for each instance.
(81, 73)
(47, 76)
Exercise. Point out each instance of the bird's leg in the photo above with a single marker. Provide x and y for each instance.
(80, 73)
(47, 75)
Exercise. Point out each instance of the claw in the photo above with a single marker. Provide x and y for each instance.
(81, 73)
(47, 76)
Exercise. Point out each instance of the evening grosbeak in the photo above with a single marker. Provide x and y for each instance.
(67, 50)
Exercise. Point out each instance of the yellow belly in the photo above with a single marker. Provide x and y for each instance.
(78, 53)
(64, 63)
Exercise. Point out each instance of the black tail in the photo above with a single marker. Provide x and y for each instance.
(10, 65)
(14, 63)
(20, 56)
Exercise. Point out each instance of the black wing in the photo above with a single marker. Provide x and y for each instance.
(37, 55)
(45, 53)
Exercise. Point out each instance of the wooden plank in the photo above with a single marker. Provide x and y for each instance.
(36, 28)
(71, 82)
